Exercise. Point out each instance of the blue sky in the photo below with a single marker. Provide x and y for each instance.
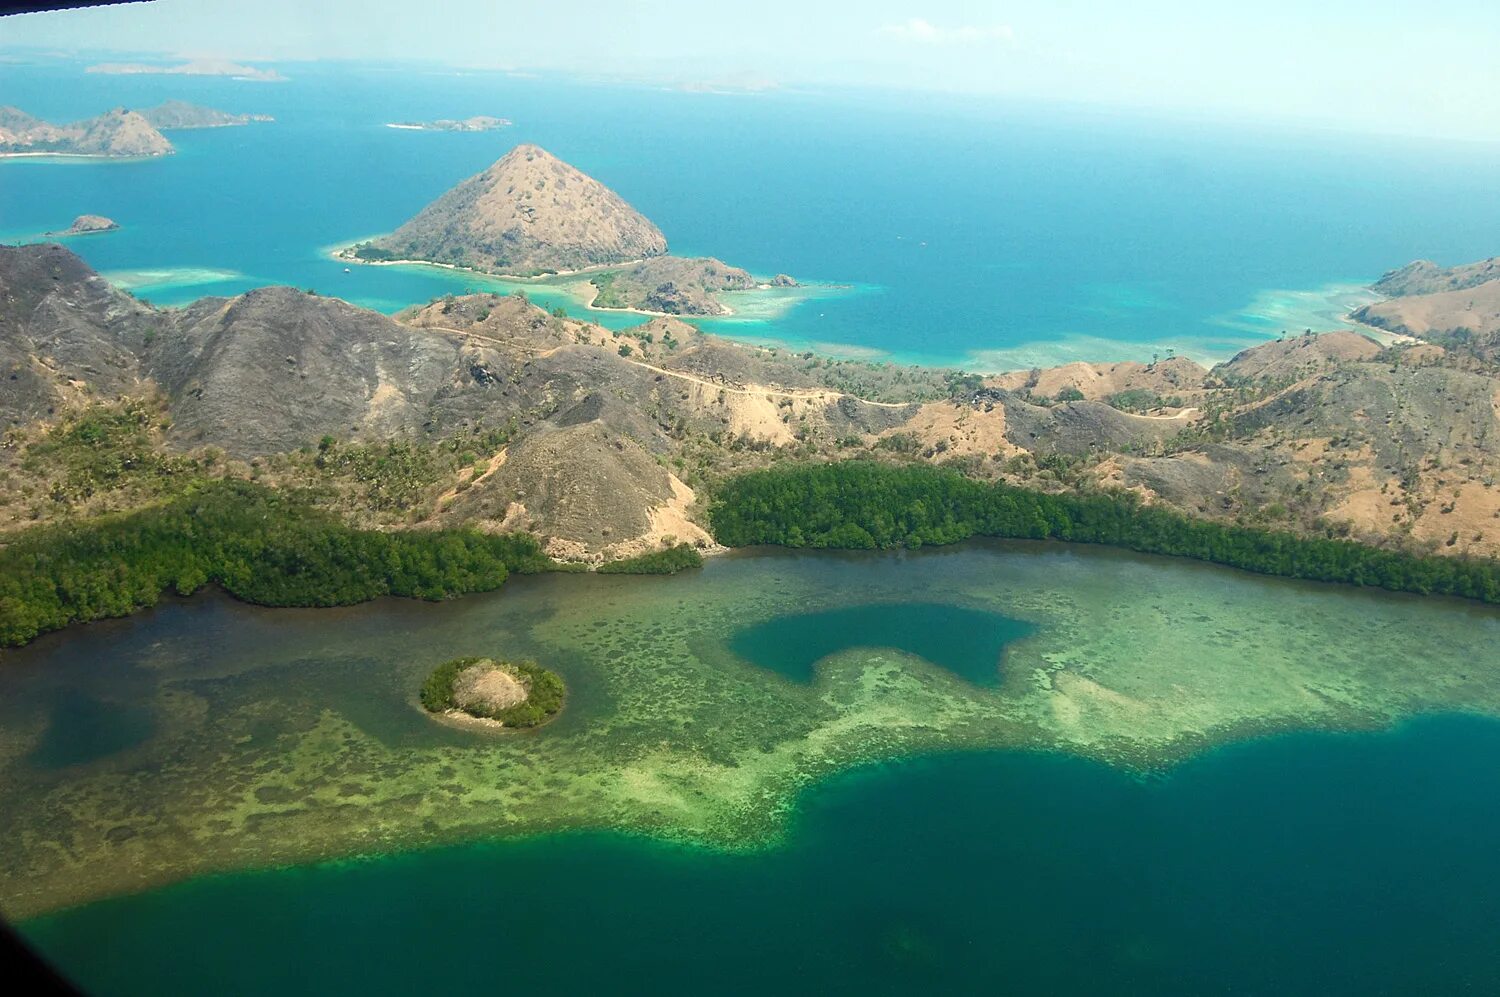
(1375, 65)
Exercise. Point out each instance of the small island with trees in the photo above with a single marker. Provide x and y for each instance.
(494, 693)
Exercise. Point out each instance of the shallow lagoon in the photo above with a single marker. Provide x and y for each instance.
(220, 736)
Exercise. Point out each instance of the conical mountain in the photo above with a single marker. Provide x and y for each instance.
(529, 213)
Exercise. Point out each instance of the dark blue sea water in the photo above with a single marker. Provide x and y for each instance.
(980, 232)
(1313, 864)
(967, 642)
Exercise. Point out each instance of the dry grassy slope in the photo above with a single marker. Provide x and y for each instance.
(1297, 357)
(1177, 376)
(528, 213)
(611, 429)
(1472, 311)
(1427, 277)
(1395, 451)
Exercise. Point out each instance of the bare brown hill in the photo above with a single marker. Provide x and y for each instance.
(1469, 315)
(529, 213)
(1427, 277)
(118, 133)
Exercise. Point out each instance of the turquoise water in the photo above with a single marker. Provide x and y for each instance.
(991, 234)
(967, 642)
(1301, 864)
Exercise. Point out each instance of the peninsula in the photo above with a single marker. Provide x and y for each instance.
(1455, 307)
(179, 115)
(116, 134)
(478, 123)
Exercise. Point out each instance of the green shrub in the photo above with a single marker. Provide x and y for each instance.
(658, 562)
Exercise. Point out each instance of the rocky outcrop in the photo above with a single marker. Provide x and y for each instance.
(89, 224)
(530, 213)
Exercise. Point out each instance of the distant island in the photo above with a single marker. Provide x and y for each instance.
(88, 225)
(197, 67)
(179, 115)
(115, 134)
(531, 214)
(478, 123)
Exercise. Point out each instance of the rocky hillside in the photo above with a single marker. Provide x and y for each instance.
(1427, 277)
(529, 213)
(1469, 316)
(486, 410)
(117, 133)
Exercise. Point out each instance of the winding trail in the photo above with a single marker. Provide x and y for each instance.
(496, 462)
(816, 394)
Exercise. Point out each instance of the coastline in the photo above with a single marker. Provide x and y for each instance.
(344, 254)
(78, 157)
(1267, 315)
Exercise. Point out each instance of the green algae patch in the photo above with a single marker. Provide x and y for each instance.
(506, 693)
(274, 737)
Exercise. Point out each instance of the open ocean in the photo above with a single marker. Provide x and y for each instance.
(957, 231)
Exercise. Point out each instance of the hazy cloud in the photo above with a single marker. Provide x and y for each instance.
(921, 30)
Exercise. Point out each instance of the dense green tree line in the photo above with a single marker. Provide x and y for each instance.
(863, 504)
(259, 545)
